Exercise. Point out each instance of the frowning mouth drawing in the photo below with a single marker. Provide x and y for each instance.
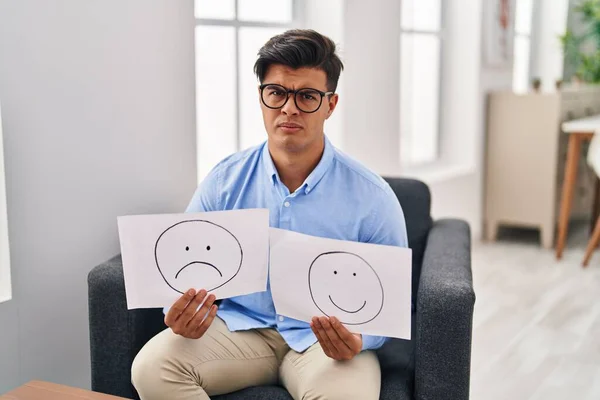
(198, 262)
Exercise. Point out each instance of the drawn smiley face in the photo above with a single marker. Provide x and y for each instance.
(197, 254)
(344, 285)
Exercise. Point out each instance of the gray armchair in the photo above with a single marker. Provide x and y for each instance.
(434, 365)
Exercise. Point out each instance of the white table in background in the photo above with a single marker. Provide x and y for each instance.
(579, 131)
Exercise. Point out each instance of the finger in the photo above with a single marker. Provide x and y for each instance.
(178, 307)
(340, 347)
(203, 327)
(315, 329)
(201, 313)
(321, 337)
(190, 309)
(345, 335)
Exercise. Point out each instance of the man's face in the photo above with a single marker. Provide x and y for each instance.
(288, 127)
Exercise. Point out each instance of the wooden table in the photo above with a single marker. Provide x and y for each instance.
(38, 390)
(579, 131)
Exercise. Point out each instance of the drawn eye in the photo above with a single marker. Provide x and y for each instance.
(354, 274)
(335, 272)
(207, 247)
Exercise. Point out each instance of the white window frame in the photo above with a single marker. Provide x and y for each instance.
(527, 36)
(297, 17)
(5, 278)
(406, 140)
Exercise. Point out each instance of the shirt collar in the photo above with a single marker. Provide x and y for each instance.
(315, 176)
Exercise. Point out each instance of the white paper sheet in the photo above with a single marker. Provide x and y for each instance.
(224, 252)
(366, 286)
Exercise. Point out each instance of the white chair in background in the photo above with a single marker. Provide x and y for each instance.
(593, 159)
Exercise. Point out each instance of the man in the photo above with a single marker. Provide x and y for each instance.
(309, 187)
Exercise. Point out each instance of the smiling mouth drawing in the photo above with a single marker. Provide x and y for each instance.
(198, 262)
(349, 312)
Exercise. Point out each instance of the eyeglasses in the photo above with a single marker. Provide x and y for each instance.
(307, 100)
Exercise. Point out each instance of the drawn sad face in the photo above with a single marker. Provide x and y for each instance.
(345, 286)
(197, 254)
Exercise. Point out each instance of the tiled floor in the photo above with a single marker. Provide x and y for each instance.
(537, 320)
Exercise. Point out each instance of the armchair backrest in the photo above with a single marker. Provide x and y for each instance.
(415, 199)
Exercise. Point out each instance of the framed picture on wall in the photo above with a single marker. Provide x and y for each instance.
(498, 28)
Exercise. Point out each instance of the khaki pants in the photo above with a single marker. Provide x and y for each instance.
(170, 366)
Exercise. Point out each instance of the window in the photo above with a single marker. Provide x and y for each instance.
(228, 36)
(5, 286)
(522, 46)
(420, 55)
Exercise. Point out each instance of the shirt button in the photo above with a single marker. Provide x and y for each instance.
(287, 204)
(281, 318)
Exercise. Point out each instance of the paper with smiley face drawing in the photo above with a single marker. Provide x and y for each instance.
(366, 286)
(164, 255)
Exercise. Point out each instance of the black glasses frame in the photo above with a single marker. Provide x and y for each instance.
(294, 92)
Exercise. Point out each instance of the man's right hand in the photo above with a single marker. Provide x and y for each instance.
(184, 320)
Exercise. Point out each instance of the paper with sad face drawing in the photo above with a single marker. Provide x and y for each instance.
(224, 252)
(366, 286)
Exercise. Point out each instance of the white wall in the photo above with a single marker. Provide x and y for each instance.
(98, 111)
(370, 113)
(460, 101)
(549, 22)
(465, 81)
(326, 17)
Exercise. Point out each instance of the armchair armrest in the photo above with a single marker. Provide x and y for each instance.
(445, 302)
(116, 334)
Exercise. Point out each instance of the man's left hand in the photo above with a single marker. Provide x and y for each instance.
(337, 341)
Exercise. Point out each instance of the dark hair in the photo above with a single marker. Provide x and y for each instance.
(299, 48)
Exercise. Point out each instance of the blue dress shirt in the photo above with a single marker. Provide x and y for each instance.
(340, 199)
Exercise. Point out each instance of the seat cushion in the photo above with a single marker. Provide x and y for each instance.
(257, 393)
(415, 198)
(397, 356)
(394, 386)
